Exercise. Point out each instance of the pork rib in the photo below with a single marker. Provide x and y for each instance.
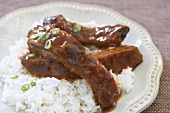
(47, 67)
(120, 58)
(67, 50)
(100, 36)
(116, 59)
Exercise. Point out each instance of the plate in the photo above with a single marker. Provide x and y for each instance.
(16, 24)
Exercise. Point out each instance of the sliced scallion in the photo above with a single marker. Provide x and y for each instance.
(76, 28)
(25, 87)
(14, 77)
(55, 31)
(42, 37)
(47, 37)
(31, 55)
(48, 44)
(33, 83)
(34, 36)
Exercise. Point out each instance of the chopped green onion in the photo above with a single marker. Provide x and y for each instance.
(47, 37)
(31, 55)
(48, 44)
(76, 28)
(33, 83)
(14, 77)
(55, 31)
(42, 37)
(34, 36)
(25, 87)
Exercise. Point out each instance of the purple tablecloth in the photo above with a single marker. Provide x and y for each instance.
(154, 15)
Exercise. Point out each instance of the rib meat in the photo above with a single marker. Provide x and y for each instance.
(119, 58)
(67, 50)
(47, 67)
(116, 59)
(100, 36)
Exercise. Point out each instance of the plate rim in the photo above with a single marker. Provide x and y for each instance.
(150, 95)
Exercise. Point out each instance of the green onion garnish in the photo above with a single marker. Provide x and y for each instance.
(33, 83)
(55, 31)
(76, 28)
(48, 44)
(14, 77)
(31, 55)
(25, 87)
(34, 36)
(47, 37)
(42, 37)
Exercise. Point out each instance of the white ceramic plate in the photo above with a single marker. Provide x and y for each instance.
(16, 24)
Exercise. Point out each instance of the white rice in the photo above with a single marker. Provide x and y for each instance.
(124, 80)
(49, 95)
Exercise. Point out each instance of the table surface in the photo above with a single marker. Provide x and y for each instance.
(154, 15)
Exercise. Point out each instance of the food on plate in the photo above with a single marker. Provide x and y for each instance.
(49, 94)
(115, 59)
(119, 58)
(101, 36)
(57, 51)
(46, 67)
(63, 47)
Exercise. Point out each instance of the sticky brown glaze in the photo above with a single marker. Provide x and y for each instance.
(100, 36)
(116, 59)
(67, 50)
(47, 67)
(120, 58)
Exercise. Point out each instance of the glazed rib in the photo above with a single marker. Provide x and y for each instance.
(100, 36)
(47, 67)
(67, 50)
(115, 59)
(120, 58)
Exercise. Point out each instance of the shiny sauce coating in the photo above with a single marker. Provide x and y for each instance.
(67, 50)
(101, 36)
